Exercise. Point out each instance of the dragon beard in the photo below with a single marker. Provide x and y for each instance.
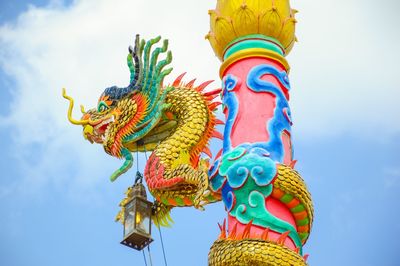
(123, 126)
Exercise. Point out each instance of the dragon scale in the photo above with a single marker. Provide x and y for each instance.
(174, 165)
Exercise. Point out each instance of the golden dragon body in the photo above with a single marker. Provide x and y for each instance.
(173, 122)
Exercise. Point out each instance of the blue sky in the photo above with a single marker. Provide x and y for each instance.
(56, 202)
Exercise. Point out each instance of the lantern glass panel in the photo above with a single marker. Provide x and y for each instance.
(143, 214)
(129, 225)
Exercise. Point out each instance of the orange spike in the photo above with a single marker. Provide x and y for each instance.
(281, 240)
(217, 135)
(264, 235)
(297, 250)
(292, 164)
(203, 85)
(195, 161)
(207, 151)
(211, 97)
(220, 226)
(214, 92)
(305, 257)
(246, 231)
(219, 122)
(223, 230)
(232, 234)
(190, 83)
(214, 105)
(222, 235)
(218, 154)
(178, 80)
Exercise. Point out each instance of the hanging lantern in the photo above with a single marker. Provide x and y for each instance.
(137, 219)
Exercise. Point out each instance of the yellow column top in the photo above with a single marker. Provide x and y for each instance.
(232, 19)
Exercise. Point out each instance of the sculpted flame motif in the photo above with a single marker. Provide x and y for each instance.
(175, 122)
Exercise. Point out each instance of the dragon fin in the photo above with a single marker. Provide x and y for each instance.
(219, 122)
(190, 83)
(211, 97)
(207, 151)
(217, 135)
(178, 80)
(213, 92)
(214, 105)
(202, 86)
(218, 154)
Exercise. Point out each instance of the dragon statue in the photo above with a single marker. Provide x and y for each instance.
(175, 122)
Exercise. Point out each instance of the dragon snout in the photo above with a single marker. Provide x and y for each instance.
(87, 132)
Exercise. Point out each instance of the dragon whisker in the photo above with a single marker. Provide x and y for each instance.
(71, 106)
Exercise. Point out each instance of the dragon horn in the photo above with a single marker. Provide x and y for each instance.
(71, 105)
(135, 53)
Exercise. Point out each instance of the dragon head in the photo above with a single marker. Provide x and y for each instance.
(114, 118)
(125, 118)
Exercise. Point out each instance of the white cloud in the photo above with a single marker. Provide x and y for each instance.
(344, 68)
(342, 73)
(82, 48)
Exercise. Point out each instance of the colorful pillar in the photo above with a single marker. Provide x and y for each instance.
(269, 208)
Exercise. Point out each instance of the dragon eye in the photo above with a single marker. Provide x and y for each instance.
(102, 106)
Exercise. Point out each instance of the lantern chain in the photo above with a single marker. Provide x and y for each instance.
(139, 176)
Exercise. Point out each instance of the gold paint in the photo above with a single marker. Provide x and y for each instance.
(289, 181)
(254, 252)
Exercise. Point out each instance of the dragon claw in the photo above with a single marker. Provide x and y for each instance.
(200, 207)
(199, 203)
(165, 106)
(206, 193)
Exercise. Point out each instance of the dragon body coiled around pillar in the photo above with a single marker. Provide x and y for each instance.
(174, 122)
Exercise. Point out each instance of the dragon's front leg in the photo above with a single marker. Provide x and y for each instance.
(196, 178)
(127, 155)
(179, 185)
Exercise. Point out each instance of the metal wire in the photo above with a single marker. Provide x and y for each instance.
(148, 249)
(162, 242)
(137, 161)
(159, 227)
(144, 258)
(145, 153)
(139, 176)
